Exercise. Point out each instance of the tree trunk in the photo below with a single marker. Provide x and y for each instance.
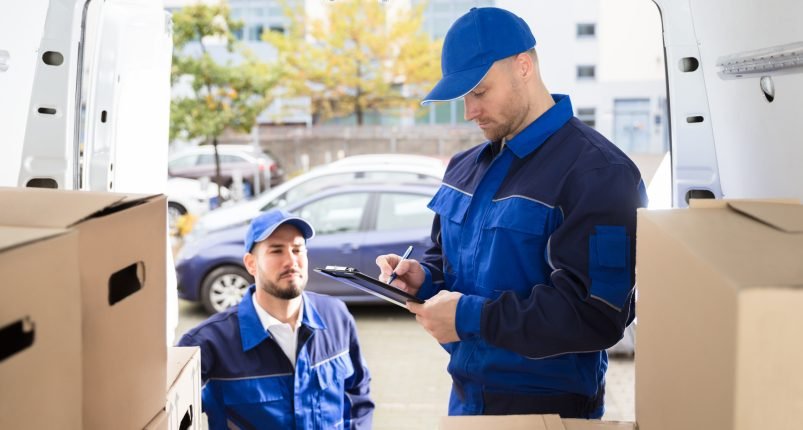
(218, 179)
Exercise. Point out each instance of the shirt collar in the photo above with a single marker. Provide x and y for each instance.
(535, 134)
(252, 330)
(269, 320)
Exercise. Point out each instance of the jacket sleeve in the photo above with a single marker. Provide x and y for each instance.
(358, 407)
(433, 264)
(589, 297)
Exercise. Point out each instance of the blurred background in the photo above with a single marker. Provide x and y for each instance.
(313, 106)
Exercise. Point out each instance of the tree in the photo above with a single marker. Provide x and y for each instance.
(359, 57)
(218, 96)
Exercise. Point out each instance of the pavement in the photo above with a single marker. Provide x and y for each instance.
(410, 385)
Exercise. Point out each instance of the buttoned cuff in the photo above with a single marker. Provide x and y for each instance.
(469, 316)
(428, 288)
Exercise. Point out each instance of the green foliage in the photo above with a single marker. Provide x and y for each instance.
(220, 96)
(357, 58)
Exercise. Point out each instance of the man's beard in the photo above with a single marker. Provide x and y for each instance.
(294, 288)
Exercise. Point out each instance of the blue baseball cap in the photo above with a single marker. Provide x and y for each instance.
(267, 222)
(473, 43)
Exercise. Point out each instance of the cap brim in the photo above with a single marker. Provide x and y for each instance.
(457, 84)
(303, 226)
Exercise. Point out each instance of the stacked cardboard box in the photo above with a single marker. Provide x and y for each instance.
(119, 253)
(184, 388)
(720, 309)
(40, 329)
(529, 422)
(182, 407)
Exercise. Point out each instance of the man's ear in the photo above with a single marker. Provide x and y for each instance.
(250, 263)
(524, 66)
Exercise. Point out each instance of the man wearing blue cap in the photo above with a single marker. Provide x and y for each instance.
(531, 276)
(284, 358)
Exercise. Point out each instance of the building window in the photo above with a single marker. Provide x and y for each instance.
(277, 29)
(588, 116)
(631, 127)
(255, 32)
(586, 30)
(586, 72)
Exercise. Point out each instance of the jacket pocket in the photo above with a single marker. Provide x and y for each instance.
(451, 206)
(515, 235)
(331, 406)
(265, 400)
(609, 265)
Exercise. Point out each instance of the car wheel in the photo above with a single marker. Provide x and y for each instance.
(174, 212)
(224, 287)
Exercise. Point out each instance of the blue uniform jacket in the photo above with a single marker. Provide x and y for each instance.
(249, 382)
(541, 241)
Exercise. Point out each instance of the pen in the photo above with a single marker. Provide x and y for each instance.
(404, 257)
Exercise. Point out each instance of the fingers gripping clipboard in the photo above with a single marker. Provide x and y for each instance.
(355, 278)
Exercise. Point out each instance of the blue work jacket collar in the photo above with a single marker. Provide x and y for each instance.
(253, 333)
(535, 134)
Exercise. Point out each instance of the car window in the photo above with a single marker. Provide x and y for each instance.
(341, 213)
(401, 211)
(182, 162)
(206, 159)
(231, 159)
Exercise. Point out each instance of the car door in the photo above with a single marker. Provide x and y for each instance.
(338, 220)
(399, 219)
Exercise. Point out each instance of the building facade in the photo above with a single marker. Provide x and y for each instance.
(606, 54)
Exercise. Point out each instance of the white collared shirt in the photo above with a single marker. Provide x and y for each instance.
(285, 335)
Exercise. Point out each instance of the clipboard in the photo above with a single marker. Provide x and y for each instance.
(355, 278)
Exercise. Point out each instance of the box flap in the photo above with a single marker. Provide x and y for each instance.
(785, 217)
(177, 359)
(37, 207)
(12, 237)
(507, 422)
(579, 424)
(722, 203)
(746, 251)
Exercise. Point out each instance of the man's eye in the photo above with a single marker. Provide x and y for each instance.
(478, 93)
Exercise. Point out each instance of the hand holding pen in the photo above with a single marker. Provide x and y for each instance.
(404, 257)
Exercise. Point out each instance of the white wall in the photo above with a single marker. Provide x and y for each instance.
(627, 52)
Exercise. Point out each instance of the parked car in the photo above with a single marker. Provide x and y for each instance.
(250, 162)
(313, 181)
(353, 225)
(190, 197)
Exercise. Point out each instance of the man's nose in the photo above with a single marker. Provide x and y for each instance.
(469, 108)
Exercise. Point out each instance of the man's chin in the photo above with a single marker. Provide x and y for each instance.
(491, 135)
(286, 293)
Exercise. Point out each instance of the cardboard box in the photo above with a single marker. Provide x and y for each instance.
(183, 405)
(720, 310)
(40, 329)
(159, 422)
(121, 252)
(528, 422)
